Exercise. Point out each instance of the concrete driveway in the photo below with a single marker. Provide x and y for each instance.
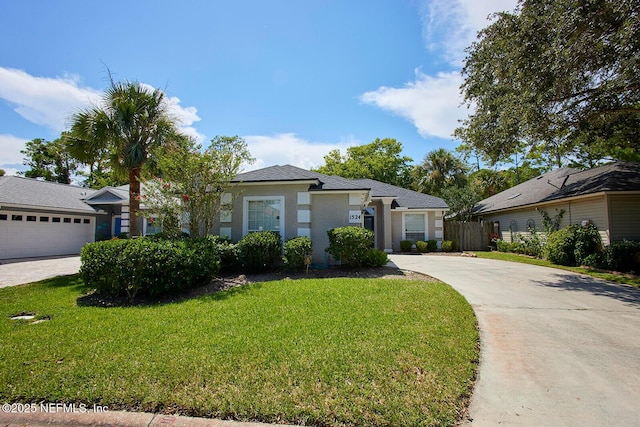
(557, 348)
(27, 270)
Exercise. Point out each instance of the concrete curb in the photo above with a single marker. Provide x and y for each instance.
(114, 419)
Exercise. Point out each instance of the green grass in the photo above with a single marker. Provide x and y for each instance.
(617, 278)
(316, 352)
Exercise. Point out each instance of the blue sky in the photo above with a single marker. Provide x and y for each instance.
(294, 78)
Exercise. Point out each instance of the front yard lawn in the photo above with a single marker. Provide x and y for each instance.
(314, 351)
(618, 278)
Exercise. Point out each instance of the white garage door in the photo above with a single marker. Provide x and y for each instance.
(28, 234)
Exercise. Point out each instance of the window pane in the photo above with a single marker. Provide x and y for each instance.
(263, 215)
(414, 227)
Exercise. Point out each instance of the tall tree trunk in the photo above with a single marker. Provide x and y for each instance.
(134, 202)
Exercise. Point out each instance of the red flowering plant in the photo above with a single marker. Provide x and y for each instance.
(493, 241)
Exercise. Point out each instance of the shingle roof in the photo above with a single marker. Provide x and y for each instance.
(565, 182)
(293, 173)
(28, 192)
(403, 197)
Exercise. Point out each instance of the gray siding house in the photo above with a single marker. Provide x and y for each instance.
(292, 201)
(607, 196)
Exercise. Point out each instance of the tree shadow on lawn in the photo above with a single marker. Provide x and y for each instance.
(232, 284)
(624, 293)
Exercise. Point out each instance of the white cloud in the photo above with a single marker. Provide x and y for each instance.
(449, 26)
(286, 148)
(50, 102)
(10, 147)
(432, 104)
(42, 100)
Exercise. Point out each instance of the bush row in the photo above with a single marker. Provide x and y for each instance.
(577, 245)
(148, 266)
(428, 246)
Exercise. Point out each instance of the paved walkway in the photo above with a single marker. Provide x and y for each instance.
(557, 348)
(26, 270)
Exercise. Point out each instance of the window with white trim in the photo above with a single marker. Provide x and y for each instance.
(415, 227)
(263, 213)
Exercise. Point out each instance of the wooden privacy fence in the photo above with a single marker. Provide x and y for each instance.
(469, 236)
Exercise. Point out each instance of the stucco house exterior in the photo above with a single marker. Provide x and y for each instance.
(607, 196)
(297, 202)
(287, 199)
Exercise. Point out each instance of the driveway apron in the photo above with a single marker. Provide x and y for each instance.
(557, 348)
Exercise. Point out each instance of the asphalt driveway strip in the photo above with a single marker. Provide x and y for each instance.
(557, 348)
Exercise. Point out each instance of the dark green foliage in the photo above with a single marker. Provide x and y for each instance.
(148, 266)
(100, 265)
(405, 245)
(228, 252)
(448, 246)
(260, 251)
(350, 244)
(588, 245)
(376, 258)
(561, 245)
(422, 246)
(297, 253)
(623, 256)
(432, 245)
(574, 245)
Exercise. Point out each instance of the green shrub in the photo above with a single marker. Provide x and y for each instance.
(148, 266)
(376, 258)
(623, 256)
(100, 264)
(560, 247)
(531, 244)
(350, 244)
(422, 246)
(228, 252)
(405, 245)
(588, 244)
(260, 251)
(448, 246)
(432, 245)
(297, 252)
(504, 246)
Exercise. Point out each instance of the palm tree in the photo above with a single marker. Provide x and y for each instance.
(439, 169)
(131, 123)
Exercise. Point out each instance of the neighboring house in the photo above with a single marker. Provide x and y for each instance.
(292, 201)
(39, 218)
(297, 202)
(607, 196)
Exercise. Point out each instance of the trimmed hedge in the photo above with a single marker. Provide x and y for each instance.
(448, 246)
(422, 246)
(405, 245)
(574, 245)
(149, 267)
(296, 252)
(350, 244)
(260, 251)
(623, 256)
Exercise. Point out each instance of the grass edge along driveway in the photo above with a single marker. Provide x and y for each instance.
(313, 351)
